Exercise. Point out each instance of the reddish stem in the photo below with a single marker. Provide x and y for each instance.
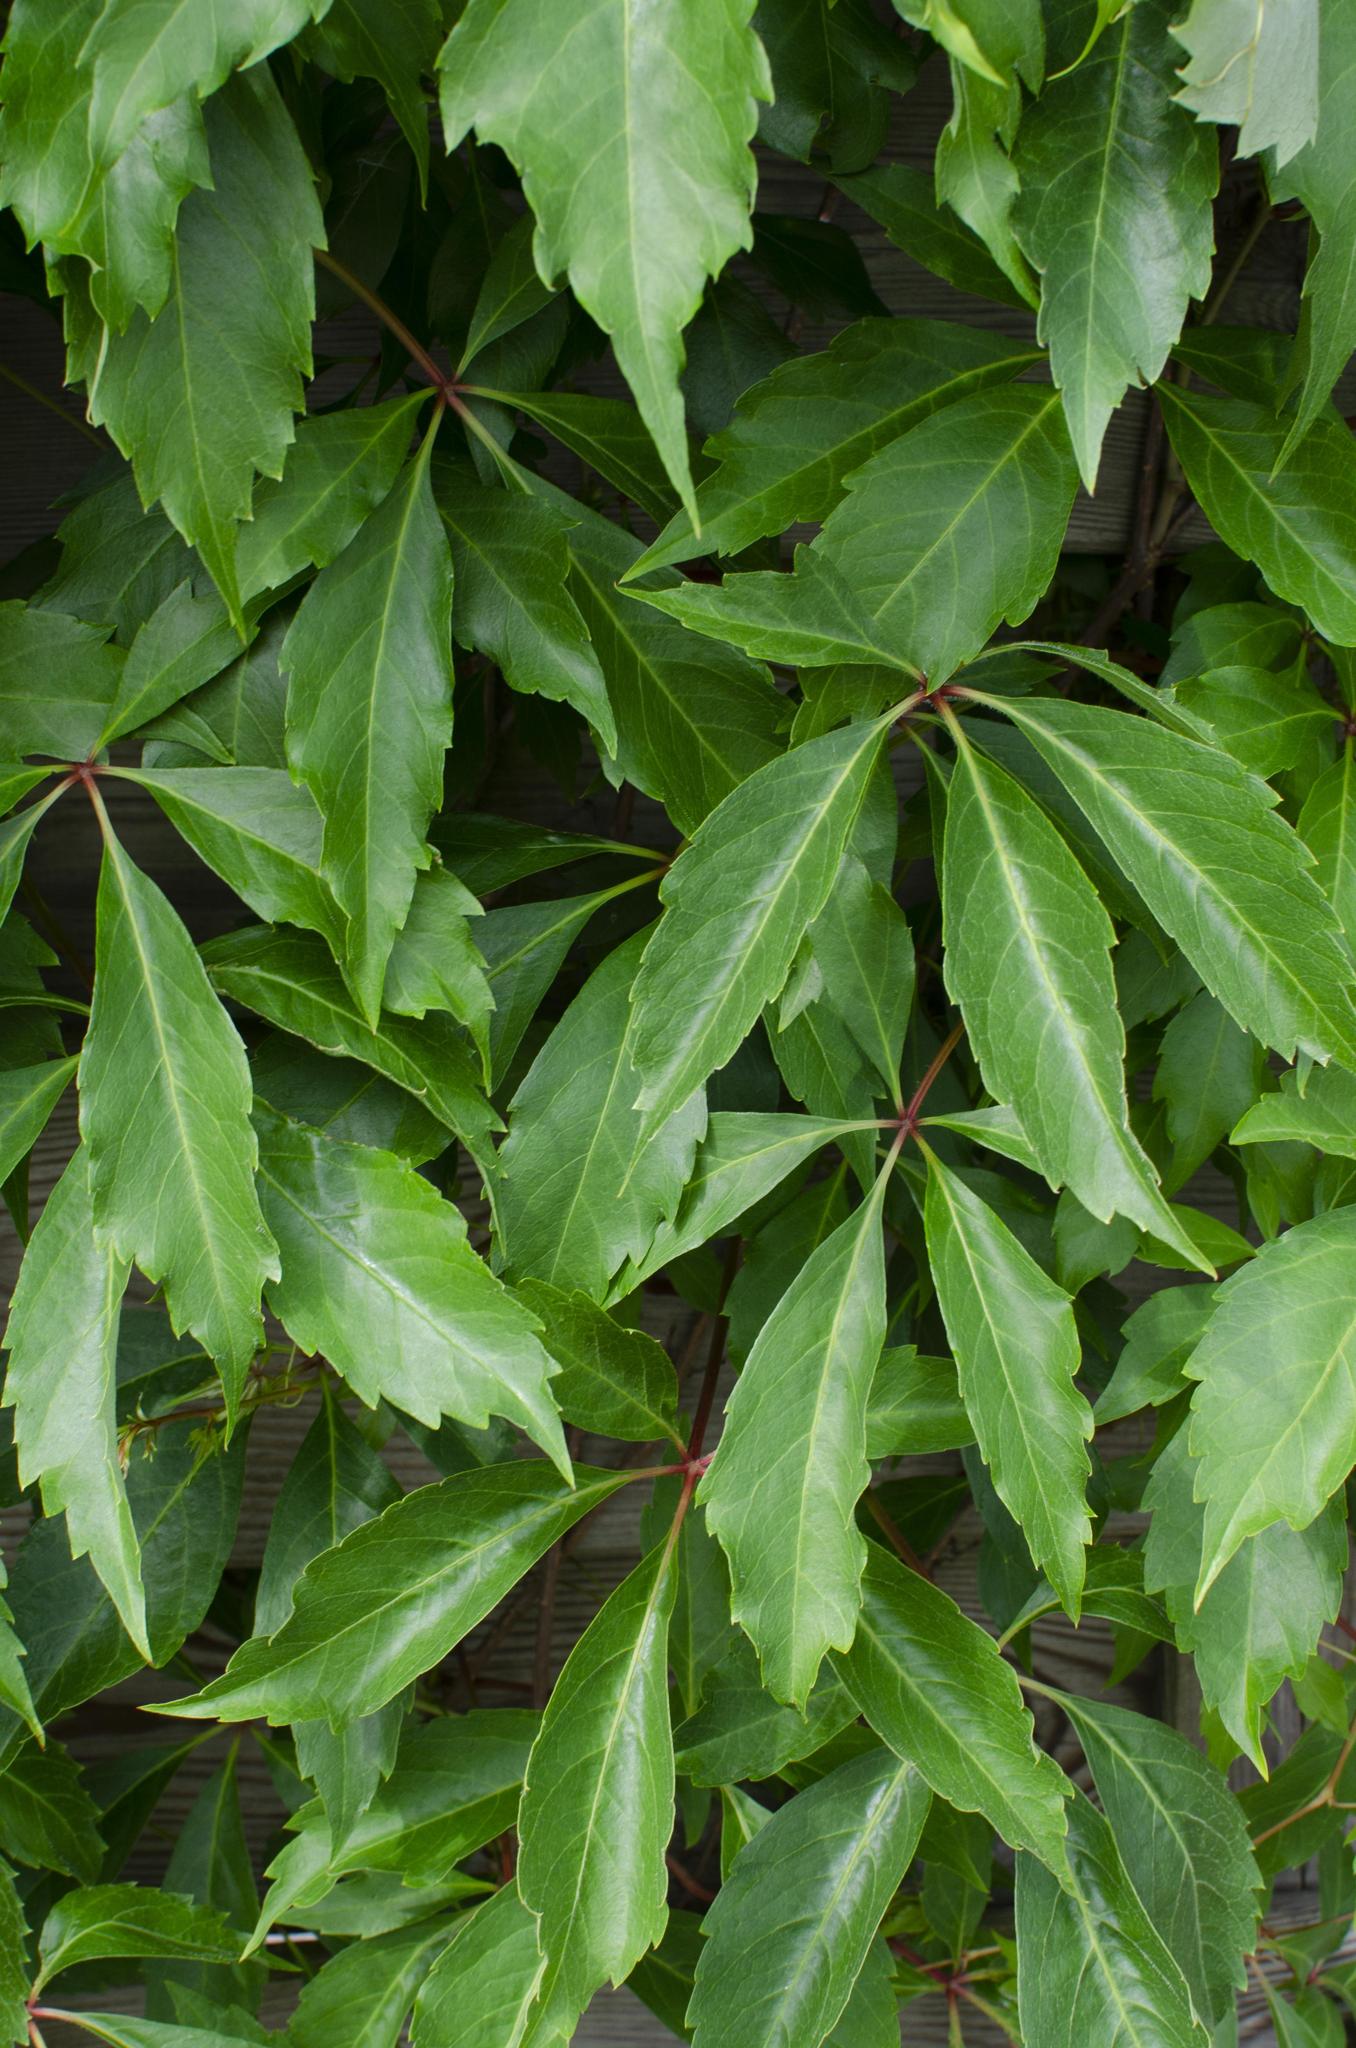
(913, 1108)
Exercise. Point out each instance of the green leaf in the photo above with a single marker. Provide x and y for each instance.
(28, 1095)
(370, 714)
(14, 1689)
(366, 1991)
(1183, 1841)
(510, 293)
(186, 641)
(915, 1406)
(947, 530)
(904, 202)
(1260, 1619)
(339, 468)
(336, 1483)
(1017, 1352)
(739, 1731)
(1091, 1965)
(130, 1920)
(1316, 1109)
(1159, 1338)
(1114, 213)
(612, 1381)
(1223, 875)
(1208, 1075)
(378, 1275)
(289, 978)
(597, 1807)
(485, 1981)
(122, 2032)
(210, 1864)
(973, 167)
(737, 903)
(511, 558)
(47, 1818)
(1276, 1448)
(62, 1338)
(693, 720)
(637, 168)
(1299, 526)
(792, 1925)
(1255, 69)
(203, 396)
(579, 1190)
(608, 434)
(1267, 721)
(1327, 825)
(397, 45)
(791, 1462)
(399, 1593)
(799, 433)
(58, 678)
(932, 1685)
(1028, 959)
(435, 964)
(258, 831)
(14, 1973)
(164, 1111)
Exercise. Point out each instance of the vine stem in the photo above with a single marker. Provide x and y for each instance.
(439, 378)
(41, 398)
(1327, 1796)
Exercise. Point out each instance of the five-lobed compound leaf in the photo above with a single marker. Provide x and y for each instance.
(1222, 873)
(1092, 1965)
(164, 1112)
(792, 1925)
(597, 1808)
(635, 163)
(378, 1275)
(1275, 1449)
(1114, 213)
(62, 1336)
(737, 903)
(370, 714)
(791, 1463)
(1016, 1345)
(933, 1686)
(399, 1593)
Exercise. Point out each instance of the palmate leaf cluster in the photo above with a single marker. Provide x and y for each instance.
(883, 1001)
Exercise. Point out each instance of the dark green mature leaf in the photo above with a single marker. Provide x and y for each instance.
(14, 1976)
(1017, 1351)
(289, 978)
(378, 1275)
(791, 1927)
(28, 1095)
(62, 1336)
(210, 1864)
(366, 1991)
(1114, 213)
(47, 1818)
(370, 714)
(932, 1685)
(915, 1406)
(579, 1190)
(608, 434)
(186, 641)
(737, 903)
(396, 44)
(597, 1807)
(740, 1732)
(336, 1483)
(1314, 1109)
(1092, 1966)
(612, 1381)
(399, 1593)
(1327, 825)
(164, 1111)
(791, 1462)
(485, 1981)
(1299, 527)
(1183, 1841)
(1275, 1449)
(635, 165)
(796, 436)
(904, 202)
(1209, 1073)
(58, 677)
(1028, 959)
(203, 396)
(130, 1920)
(1223, 875)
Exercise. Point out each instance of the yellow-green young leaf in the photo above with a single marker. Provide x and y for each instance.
(1299, 526)
(107, 1920)
(737, 902)
(1091, 1964)
(1028, 959)
(798, 434)
(612, 1381)
(597, 1808)
(484, 1983)
(1327, 825)
(932, 1685)
(399, 1593)
(1259, 1621)
(1222, 873)
(203, 396)
(1254, 68)
(792, 1924)
(289, 978)
(1184, 1843)
(1274, 1448)
(579, 1190)
(62, 1337)
(791, 1462)
(28, 1095)
(58, 677)
(369, 714)
(1017, 1351)
(1114, 213)
(377, 1275)
(634, 159)
(164, 1111)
